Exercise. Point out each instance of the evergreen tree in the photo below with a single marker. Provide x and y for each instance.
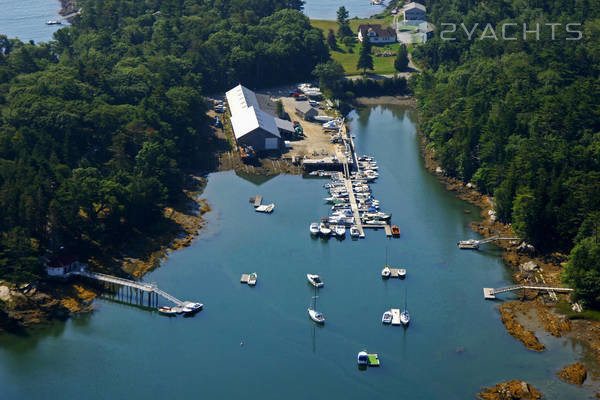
(343, 24)
(365, 59)
(401, 61)
(331, 41)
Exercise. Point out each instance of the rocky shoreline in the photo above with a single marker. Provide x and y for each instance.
(548, 269)
(41, 302)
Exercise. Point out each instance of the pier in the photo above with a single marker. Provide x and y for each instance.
(490, 293)
(473, 244)
(142, 287)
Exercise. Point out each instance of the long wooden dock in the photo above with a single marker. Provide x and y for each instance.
(144, 287)
(354, 206)
(490, 293)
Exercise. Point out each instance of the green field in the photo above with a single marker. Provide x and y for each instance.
(348, 55)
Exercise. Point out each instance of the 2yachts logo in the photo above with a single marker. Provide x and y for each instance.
(512, 31)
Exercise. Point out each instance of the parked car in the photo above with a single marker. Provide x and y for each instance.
(313, 103)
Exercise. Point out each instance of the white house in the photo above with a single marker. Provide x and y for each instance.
(414, 12)
(376, 34)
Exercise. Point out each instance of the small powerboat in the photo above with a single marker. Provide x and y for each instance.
(354, 231)
(314, 228)
(387, 317)
(315, 280)
(324, 229)
(386, 272)
(340, 231)
(53, 22)
(363, 358)
(395, 231)
(193, 307)
(167, 310)
(402, 273)
(252, 279)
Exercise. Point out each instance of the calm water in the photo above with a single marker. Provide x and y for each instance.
(326, 9)
(454, 345)
(26, 19)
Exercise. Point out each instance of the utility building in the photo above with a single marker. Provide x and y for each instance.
(252, 126)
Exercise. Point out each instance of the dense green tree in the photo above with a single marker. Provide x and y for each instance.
(401, 60)
(365, 58)
(331, 40)
(331, 77)
(583, 271)
(343, 23)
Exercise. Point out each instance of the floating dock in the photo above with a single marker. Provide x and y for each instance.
(245, 278)
(257, 201)
(395, 273)
(373, 360)
(396, 316)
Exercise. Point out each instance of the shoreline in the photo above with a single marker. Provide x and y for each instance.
(47, 300)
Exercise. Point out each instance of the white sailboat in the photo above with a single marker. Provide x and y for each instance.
(313, 313)
(404, 315)
(386, 272)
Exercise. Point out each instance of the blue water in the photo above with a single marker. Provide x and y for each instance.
(327, 9)
(454, 345)
(26, 19)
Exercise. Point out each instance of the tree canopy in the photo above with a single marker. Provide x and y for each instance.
(98, 126)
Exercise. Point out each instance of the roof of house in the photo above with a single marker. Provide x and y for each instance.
(381, 32)
(412, 5)
(284, 125)
(304, 107)
(250, 119)
(62, 260)
(241, 98)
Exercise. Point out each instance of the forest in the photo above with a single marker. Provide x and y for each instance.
(520, 119)
(99, 126)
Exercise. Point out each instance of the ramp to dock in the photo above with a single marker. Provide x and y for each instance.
(146, 287)
(490, 293)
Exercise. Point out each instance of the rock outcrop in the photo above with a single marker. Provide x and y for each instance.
(512, 390)
(516, 330)
(574, 373)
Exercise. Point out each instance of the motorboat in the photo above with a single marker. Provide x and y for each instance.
(315, 280)
(340, 230)
(387, 317)
(395, 231)
(167, 310)
(314, 228)
(402, 273)
(363, 358)
(190, 307)
(470, 244)
(252, 278)
(53, 22)
(324, 230)
(267, 208)
(386, 272)
(354, 232)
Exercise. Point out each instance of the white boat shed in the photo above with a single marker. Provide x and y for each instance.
(251, 125)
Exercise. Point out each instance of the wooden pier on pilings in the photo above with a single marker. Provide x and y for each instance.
(132, 290)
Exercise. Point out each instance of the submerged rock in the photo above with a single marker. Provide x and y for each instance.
(574, 373)
(512, 390)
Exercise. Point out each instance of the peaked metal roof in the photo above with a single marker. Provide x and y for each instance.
(241, 98)
(412, 5)
(250, 119)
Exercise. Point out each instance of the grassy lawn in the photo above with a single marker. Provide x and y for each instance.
(348, 55)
